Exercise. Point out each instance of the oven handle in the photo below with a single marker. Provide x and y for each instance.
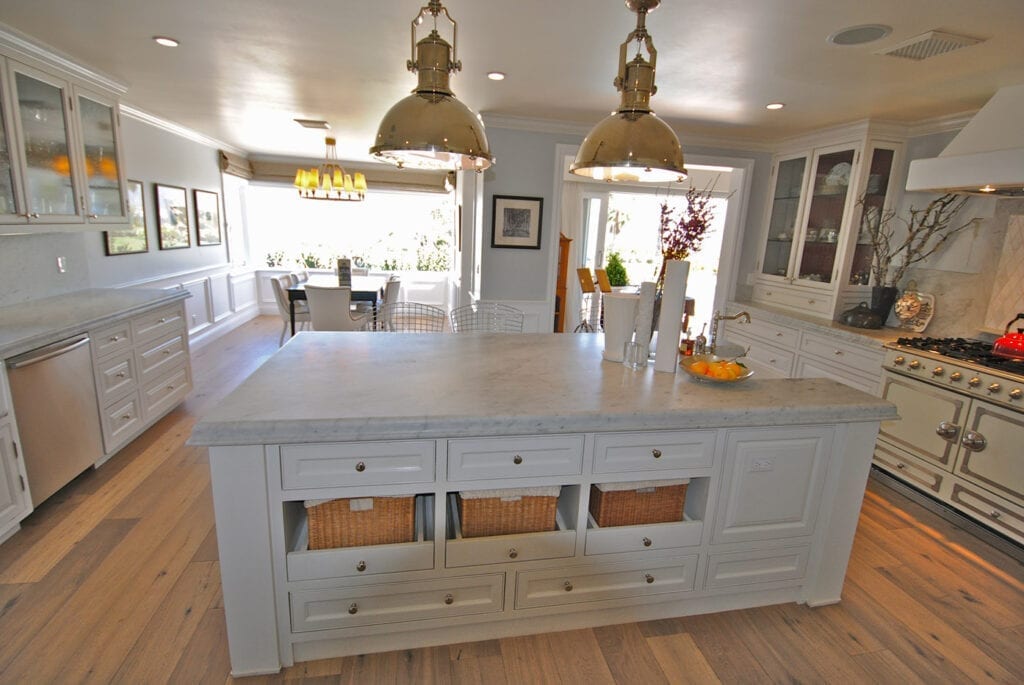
(947, 431)
(974, 441)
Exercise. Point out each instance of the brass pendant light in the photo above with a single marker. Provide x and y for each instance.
(330, 181)
(430, 129)
(633, 144)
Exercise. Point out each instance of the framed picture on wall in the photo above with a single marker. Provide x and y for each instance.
(207, 205)
(133, 239)
(172, 217)
(516, 222)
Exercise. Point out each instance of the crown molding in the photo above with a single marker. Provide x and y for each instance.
(25, 48)
(179, 130)
(943, 124)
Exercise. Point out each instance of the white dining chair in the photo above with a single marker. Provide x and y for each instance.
(330, 309)
(487, 316)
(280, 285)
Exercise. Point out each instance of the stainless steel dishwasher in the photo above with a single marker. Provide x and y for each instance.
(58, 418)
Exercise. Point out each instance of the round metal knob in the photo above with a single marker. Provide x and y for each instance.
(914, 364)
(517, 459)
(125, 417)
(901, 465)
(994, 514)
(778, 334)
(900, 360)
(647, 542)
(974, 441)
(768, 293)
(837, 352)
(974, 382)
(955, 376)
(567, 585)
(811, 301)
(656, 453)
(947, 430)
(938, 371)
(94, 216)
(513, 553)
(120, 374)
(649, 578)
(34, 215)
(361, 566)
(115, 338)
(353, 608)
(161, 320)
(449, 599)
(166, 352)
(360, 467)
(994, 388)
(1016, 394)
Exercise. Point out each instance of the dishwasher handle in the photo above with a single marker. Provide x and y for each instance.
(48, 352)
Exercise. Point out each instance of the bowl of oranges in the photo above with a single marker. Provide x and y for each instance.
(714, 369)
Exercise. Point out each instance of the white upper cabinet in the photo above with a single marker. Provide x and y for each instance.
(103, 177)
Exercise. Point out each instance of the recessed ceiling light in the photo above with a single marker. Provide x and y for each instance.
(858, 35)
(775, 105)
(166, 42)
(496, 75)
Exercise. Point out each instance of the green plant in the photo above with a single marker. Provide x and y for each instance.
(275, 258)
(616, 270)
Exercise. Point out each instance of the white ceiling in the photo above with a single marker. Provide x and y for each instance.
(246, 68)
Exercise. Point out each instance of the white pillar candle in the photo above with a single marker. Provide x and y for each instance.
(673, 298)
(619, 316)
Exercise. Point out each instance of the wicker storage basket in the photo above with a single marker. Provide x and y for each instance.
(360, 521)
(508, 511)
(634, 504)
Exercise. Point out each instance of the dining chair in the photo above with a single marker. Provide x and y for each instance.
(487, 316)
(280, 285)
(300, 276)
(411, 317)
(329, 309)
(391, 290)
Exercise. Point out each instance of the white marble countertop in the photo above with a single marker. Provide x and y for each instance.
(36, 323)
(324, 387)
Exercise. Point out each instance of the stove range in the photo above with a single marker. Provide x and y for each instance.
(976, 351)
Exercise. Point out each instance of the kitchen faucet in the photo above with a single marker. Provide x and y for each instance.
(742, 317)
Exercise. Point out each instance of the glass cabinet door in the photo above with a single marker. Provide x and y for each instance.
(43, 118)
(8, 207)
(833, 172)
(104, 180)
(783, 222)
(876, 192)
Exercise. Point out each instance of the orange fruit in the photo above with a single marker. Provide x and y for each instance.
(699, 366)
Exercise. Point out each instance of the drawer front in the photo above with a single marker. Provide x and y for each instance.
(524, 457)
(761, 566)
(653, 451)
(993, 511)
(553, 587)
(360, 561)
(159, 323)
(510, 548)
(855, 359)
(907, 468)
(395, 602)
(765, 331)
(792, 299)
(112, 339)
(161, 356)
(164, 393)
(354, 464)
(120, 421)
(775, 360)
(811, 367)
(643, 538)
(117, 376)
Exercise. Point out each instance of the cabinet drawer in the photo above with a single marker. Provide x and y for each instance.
(848, 357)
(164, 393)
(355, 464)
(553, 587)
(775, 360)
(510, 548)
(760, 566)
(522, 457)
(360, 561)
(395, 602)
(992, 510)
(764, 331)
(112, 339)
(643, 538)
(120, 421)
(159, 323)
(117, 376)
(907, 468)
(158, 358)
(782, 296)
(812, 367)
(653, 451)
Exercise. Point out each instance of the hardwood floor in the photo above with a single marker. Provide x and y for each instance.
(115, 580)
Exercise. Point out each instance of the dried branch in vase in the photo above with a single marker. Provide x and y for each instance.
(680, 236)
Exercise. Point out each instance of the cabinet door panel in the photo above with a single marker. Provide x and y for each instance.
(997, 464)
(766, 566)
(833, 171)
(9, 209)
(12, 498)
(104, 178)
(919, 404)
(784, 219)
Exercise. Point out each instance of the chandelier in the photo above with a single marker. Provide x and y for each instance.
(633, 144)
(430, 129)
(330, 181)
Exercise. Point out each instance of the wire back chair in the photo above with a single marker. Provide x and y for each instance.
(494, 317)
(410, 317)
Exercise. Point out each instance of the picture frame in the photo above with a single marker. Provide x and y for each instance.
(207, 208)
(172, 217)
(516, 222)
(134, 239)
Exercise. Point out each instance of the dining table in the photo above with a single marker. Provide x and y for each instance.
(364, 289)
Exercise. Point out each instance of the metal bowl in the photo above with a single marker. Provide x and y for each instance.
(687, 362)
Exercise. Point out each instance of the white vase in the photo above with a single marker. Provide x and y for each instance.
(619, 320)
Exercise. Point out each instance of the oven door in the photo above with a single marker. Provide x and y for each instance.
(992, 450)
(931, 418)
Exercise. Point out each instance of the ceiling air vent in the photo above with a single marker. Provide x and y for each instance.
(929, 44)
(313, 123)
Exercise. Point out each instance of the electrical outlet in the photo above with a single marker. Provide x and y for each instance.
(761, 465)
(62, 265)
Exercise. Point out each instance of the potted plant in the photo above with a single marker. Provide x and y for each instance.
(616, 270)
(926, 232)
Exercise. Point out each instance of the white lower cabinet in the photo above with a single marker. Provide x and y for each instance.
(759, 566)
(14, 500)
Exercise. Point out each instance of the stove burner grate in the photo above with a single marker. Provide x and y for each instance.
(965, 349)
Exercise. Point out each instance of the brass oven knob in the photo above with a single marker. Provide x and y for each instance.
(974, 382)
(974, 441)
(994, 388)
(938, 371)
(955, 376)
(899, 361)
(1016, 394)
(947, 430)
(914, 364)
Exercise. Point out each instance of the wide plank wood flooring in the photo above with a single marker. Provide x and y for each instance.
(115, 580)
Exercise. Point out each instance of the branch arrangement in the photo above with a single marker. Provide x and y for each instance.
(679, 236)
(927, 231)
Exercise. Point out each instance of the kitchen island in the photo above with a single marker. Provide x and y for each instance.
(776, 471)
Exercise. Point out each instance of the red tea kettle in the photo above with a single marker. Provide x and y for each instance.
(1011, 344)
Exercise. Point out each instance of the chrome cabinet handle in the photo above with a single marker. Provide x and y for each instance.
(361, 566)
(34, 215)
(361, 466)
(656, 453)
(900, 465)
(94, 216)
(353, 608)
(947, 431)
(647, 542)
(125, 417)
(517, 460)
(995, 513)
(120, 374)
(974, 441)
(837, 352)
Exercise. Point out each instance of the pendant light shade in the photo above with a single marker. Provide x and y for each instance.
(633, 144)
(431, 129)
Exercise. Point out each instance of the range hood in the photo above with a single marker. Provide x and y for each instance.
(985, 158)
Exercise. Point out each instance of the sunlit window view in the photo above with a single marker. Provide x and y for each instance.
(388, 231)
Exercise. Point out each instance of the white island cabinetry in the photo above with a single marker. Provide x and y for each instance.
(772, 495)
